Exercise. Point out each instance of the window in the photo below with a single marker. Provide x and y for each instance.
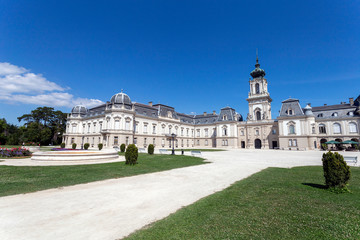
(182, 131)
(353, 127)
(116, 140)
(182, 142)
(117, 124)
(290, 143)
(224, 131)
(274, 131)
(242, 133)
(320, 115)
(257, 88)
(290, 112)
(72, 140)
(313, 130)
(206, 132)
(135, 141)
(73, 129)
(83, 130)
(187, 143)
(163, 142)
(256, 132)
(322, 128)
(170, 129)
(100, 126)
(145, 128)
(154, 141)
(127, 141)
(335, 114)
(337, 128)
(154, 129)
(136, 127)
(88, 130)
(294, 143)
(224, 117)
(292, 129)
(94, 129)
(206, 142)
(127, 124)
(198, 142)
(163, 129)
(192, 133)
(198, 132)
(187, 132)
(224, 142)
(258, 115)
(145, 141)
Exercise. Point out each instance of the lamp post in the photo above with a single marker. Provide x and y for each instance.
(82, 142)
(173, 135)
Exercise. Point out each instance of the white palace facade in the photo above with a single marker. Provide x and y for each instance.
(122, 121)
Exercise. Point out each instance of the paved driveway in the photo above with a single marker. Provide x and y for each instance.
(114, 208)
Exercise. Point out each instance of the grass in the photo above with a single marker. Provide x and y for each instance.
(15, 180)
(202, 150)
(276, 203)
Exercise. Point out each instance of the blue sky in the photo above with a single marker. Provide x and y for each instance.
(193, 55)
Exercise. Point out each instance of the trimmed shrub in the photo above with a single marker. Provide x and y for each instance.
(131, 154)
(86, 146)
(100, 146)
(151, 149)
(73, 146)
(62, 145)
(122, 147)
(336, 171)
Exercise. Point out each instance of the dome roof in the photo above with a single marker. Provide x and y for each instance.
(79, 109)
(257, 72)
(121, 98)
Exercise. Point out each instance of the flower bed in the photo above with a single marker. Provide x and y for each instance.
(14, 152)
(64, 149)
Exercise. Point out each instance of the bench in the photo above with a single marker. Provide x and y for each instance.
(163, 151)
(350, 159)
(195, 153)
(142, 150)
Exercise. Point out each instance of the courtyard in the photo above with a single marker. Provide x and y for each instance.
(115, 208)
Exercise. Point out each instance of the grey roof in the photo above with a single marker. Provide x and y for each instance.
(121, 98)
(334, 111)
(294, 105)
(79, 110)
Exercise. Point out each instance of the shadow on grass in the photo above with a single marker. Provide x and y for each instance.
(314, 185)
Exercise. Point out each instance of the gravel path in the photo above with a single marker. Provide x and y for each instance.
(112, 209)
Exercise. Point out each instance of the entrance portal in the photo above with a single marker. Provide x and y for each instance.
(257, 143)
(275, 146)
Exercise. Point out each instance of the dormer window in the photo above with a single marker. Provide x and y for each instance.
(290, 112)
(224, 117)
(350, 113)
(335, 114)
(320, 115)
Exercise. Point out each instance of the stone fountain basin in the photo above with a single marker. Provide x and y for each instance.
(75, 155)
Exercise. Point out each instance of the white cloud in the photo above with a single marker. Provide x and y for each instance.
(19, 85)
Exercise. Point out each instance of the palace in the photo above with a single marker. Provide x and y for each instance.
(122, 121)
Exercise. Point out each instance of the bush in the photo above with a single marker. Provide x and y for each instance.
(73, 146)
(100, 146)
(122, 147)
(336, 171)
(151, 149)
(86, 146)
(131, 154)
(62, 145)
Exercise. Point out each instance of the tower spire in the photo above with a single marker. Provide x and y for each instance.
(257, 58)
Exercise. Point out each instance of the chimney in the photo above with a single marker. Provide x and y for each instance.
(214, 112)
(205, 114)
(351, 101)
(150, 104)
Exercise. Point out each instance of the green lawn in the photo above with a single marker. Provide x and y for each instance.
(276, 203)
(202, 150)
(15, 180)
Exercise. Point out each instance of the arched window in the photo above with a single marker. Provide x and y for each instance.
(335, 114)
(257, 88)
(258, 115)
(292, 129)
(337, 128)
(353, 127)
(224, 131)
(322, 128)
